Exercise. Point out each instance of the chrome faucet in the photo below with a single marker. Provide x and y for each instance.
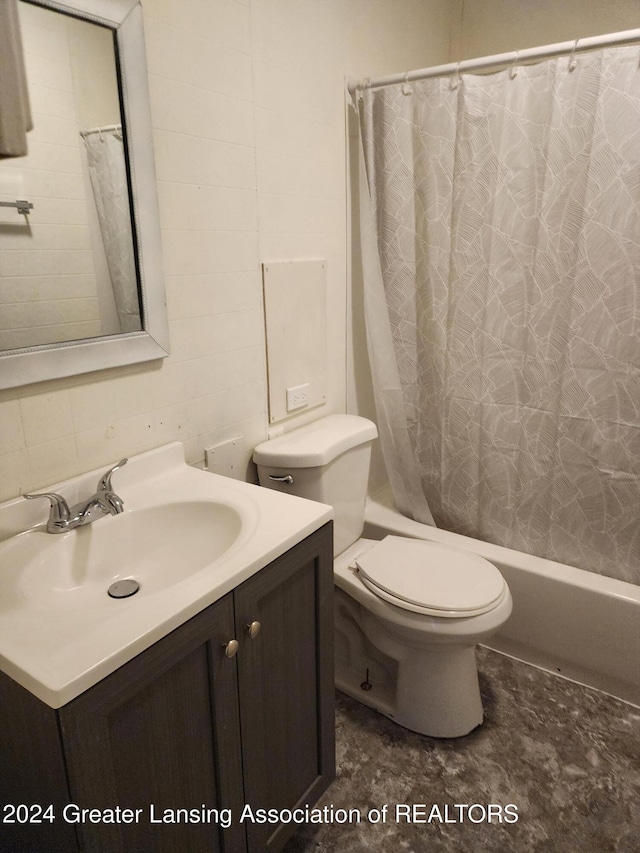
(104, 502)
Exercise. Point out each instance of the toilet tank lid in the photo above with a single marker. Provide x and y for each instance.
(317, 443)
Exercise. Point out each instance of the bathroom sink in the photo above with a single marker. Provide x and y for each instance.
(187, 537)
(157, 546)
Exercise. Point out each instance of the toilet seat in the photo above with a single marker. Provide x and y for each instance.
(426, 577)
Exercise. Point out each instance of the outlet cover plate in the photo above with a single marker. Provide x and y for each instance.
(298, 397)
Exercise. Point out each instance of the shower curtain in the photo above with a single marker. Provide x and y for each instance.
(500, 218)
(108, 175)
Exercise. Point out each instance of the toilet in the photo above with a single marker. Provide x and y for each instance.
(408, 612)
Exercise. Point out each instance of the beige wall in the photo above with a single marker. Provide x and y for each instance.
(302, 50)
(247, 106)
(497, 26)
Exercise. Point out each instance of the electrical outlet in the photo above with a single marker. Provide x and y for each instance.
(298, 397)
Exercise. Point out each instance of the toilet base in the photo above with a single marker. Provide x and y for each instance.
(435, 707)
(438, 693)
(434, 692)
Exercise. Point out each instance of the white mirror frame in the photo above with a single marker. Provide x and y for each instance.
(36, 364)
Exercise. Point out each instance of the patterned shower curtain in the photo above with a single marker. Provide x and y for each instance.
(108, 174)
(505, 211)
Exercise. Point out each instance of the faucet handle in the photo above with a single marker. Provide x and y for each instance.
(59, 513)
(104, 485)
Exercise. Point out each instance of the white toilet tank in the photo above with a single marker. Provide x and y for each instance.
(326, 461)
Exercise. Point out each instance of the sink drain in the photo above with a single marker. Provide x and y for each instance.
(123, 588)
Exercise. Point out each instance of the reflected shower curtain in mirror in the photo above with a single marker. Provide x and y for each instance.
(108, 174)
(506, 211)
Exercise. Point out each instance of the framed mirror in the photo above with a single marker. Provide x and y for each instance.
(81, 282)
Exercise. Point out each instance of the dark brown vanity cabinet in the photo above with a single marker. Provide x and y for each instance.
(184, 741)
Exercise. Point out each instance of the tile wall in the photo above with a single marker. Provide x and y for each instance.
(247, 103)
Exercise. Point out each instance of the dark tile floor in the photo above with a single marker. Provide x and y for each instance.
(566, 756)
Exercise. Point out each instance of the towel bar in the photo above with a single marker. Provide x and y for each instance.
(23, 206)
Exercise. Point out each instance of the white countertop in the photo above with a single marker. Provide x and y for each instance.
(58, 646)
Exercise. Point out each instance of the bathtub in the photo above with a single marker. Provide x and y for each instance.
(573, 623)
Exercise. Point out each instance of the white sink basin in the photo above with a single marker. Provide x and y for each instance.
(186, 536)
(158, 546)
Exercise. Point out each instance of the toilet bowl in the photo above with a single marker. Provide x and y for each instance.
(435, 688)
(408, 612)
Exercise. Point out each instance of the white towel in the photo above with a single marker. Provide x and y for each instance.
(15, 114)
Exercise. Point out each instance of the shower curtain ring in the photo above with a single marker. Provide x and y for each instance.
(406, 86)
(455, 81)
(514, 66)
(573, 61)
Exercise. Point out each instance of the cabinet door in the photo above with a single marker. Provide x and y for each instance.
(162, 733)
(286, 684)
(32, 774)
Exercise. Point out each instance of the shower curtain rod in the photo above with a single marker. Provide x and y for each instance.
(505, 59)
(106, 129)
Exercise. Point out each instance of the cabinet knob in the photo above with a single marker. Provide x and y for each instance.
(253, 629)
(231, 648)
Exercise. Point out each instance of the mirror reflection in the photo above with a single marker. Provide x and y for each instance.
(67, 265)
